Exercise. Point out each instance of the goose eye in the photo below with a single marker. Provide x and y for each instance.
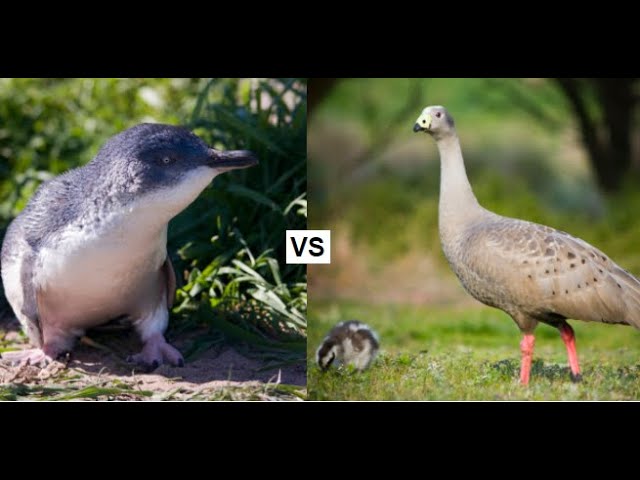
(438, 115)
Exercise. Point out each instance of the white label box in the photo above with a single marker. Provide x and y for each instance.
(308, 246)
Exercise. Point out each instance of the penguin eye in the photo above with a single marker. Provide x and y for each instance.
(167, 160)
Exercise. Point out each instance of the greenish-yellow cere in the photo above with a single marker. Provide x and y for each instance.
(424, 120)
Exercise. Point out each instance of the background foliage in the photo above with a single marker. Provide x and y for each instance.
(523, 150)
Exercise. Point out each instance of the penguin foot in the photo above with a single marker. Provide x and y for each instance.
(32, 356)
(155, 352)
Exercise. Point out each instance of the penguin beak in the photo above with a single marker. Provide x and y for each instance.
(231, 159)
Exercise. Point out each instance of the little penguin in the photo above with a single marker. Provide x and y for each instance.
(349, 343)
(91, 244)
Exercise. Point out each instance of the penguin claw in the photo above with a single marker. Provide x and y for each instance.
(33, 356)
(156, 352)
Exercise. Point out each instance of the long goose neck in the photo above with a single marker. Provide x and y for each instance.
(458, 205)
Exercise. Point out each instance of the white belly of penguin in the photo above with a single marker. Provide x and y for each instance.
(96, 274)
(113, 268)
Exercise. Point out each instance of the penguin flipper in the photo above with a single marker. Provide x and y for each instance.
(170, 279)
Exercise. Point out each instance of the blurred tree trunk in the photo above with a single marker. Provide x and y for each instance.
(606, 130)
(318, 89)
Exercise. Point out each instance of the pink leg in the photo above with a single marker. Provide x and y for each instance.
(526, 347)
(569, 339)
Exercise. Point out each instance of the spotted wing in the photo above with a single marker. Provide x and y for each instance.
(556, 273)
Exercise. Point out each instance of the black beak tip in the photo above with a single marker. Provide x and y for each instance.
(417, 127)
(247, 158)
(253, 160)
(234, 159)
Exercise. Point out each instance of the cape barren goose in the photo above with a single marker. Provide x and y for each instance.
(532, 272)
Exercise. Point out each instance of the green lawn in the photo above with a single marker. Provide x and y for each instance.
(472, 354)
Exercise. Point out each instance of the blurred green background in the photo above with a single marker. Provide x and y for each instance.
(562, 152)
(228, 246)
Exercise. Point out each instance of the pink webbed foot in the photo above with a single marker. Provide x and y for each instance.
(33, 356)
(157, 351)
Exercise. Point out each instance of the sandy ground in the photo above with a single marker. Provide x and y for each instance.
(218, 373)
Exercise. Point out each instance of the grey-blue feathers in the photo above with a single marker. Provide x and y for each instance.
(141, 159)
